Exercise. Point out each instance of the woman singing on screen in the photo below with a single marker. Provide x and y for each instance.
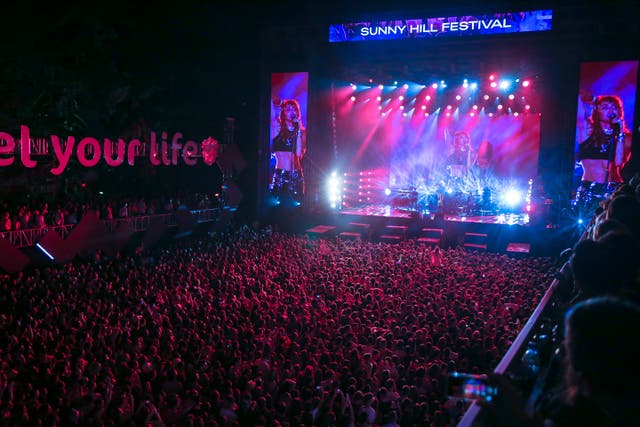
(607, 149)
(288, 147)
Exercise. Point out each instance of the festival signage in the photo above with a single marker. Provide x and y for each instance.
(89, 150)
(466, 25)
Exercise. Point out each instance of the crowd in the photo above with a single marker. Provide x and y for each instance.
(258, 328)
(41, 214)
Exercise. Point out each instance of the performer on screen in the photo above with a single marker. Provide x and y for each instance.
(288, 148)
(606, 150)
(459, 160)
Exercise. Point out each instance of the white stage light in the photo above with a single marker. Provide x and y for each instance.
(334, 184)
(512, 197)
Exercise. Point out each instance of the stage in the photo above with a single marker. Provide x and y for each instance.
(489, 217)
(498, 232)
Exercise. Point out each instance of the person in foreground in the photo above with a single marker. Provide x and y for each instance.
(601, 372)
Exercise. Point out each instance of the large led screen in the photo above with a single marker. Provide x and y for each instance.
(606, 104)
(288, 135)
(466, 139)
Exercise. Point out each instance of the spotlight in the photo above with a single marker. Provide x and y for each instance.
(458, 97)
(516, 114)
(449, 107)
(505, 84)
(401, 97)
(424, 107)
(512, 197)
(475, 107)
(492, 77)
(474, 85)
(499, 106)
(395, 83)
(387, 192)
(353, 98)
(406, 86)
(486, 97)
(379, 98)
(494, 84)
(435, 85)
(526, 83)
(427, 98)
(380, 87)
(512, 96)
(333, 189)
(354, 87)
(527, 107)
(402, 107)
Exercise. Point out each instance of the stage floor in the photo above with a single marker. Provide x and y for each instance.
(387, 211)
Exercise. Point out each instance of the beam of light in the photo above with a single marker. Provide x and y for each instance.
(45, 251)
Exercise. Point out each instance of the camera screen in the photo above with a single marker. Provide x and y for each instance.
(469, 386)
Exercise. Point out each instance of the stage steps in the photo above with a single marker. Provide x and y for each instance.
(475, 241)
(356, 231)
(320, 231)
(393, 233)
(431, 236)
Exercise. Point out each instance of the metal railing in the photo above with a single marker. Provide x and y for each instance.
(30, 236)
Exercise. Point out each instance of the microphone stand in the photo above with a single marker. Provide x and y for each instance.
(617, 131)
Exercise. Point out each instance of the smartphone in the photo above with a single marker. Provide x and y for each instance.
(471, 386)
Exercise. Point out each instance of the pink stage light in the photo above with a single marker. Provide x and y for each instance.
(526, 83)
(381, 87)
(353, 98)
(458, 97)
(401, 97)
(435, 85)
(494, 84)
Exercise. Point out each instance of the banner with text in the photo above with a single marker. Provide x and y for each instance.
(497, 23)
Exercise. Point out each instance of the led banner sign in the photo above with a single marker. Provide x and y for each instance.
(89, 150)
(497, 23)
